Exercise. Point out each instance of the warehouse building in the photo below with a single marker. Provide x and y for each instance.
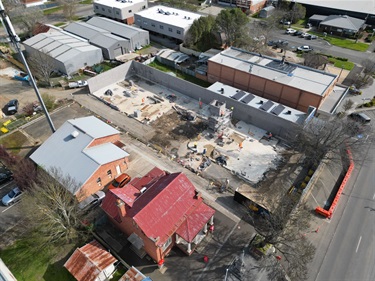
(166, 21)
(121, 10)
(113, 38)
(280, 81)
(67, 52)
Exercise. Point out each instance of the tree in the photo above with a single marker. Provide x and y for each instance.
(232, 23)
(348, 104)
(365, 78)
(327, 139)
(285, 229)
(296, 12)
(69, 8)
(201, 33)
(315, 60)
(26, 18)
(42, 66)
(52, 211)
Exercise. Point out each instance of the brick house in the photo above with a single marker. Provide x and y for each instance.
(87, 150)
(91, 263)
(159, 211)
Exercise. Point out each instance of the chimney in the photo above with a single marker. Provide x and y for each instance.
(283, 60)
(121, 208)
(197, 195)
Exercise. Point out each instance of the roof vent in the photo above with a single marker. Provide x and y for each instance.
(74, 134)
(288, 112)
(261, 102)
(222, 90)
(143, 190)
(188, 18)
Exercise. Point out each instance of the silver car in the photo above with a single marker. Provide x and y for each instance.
(92, 201)
(13, 196)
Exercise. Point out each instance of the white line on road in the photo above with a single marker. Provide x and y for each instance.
(359, 242)
(373, 197)
(9, 207)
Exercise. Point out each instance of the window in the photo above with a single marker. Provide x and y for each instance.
(153, 25)
(99, 181)
(145, 23)
(143, 7)
(170, 29)
(103, 9)
(96, 7)
(109, 173)
(138, 20)
(166, 244)
(178, 31)
(117, 12)
(109, 11)
(161, 27)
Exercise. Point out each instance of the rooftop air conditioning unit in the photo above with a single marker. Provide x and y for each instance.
(74, 134)
(143, 189)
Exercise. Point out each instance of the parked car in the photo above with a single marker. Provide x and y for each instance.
(120, 181)
(205, 163)
(271, 43)
(5, 175)
(92, 201)
(285, 22)
(360, 117)
(304, 48)
(303, 34)
(78, 84)
(297, 33)
(12, 107)
(308, 25)
(311, 37)
(290, 31)
(221, 160)
(12, 197)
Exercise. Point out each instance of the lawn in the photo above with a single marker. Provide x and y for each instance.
(348, 65)
(52, 10)
(14, 141)
(179, 74)
(60, 24)
(86, 2)
(30, 264)
(343, 42)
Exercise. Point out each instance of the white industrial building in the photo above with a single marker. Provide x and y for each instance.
(67, 52)
(114, 38)
(122, 10)
(166, 21)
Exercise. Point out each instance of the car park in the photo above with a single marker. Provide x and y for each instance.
(12, 197)
(290, 31)
(311, 37)
(120, 181)
(12, 107)
(304, 48)
(5, 175)
(92, 201)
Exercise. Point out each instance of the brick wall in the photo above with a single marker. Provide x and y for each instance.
(107, 139)
(91, 185)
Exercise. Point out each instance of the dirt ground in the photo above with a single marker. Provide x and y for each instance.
(171, 130)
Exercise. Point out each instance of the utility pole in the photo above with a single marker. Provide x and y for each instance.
(15, 40)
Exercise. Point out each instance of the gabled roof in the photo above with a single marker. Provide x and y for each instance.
(344, 22)
(116, 28)
(87, 262)
(163, 207)
(68, 149)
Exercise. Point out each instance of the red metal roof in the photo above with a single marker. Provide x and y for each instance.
(195, 222)
(127, 194)
(168, 200)
(86, 263)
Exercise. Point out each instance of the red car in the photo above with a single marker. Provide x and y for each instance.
(120, 181)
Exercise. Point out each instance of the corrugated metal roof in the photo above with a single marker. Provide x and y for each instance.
(114, 27)
(344, 22)
(87, 262)
(195, 221)
(84, 29)
(134, 274)
(162, 208)
(70, 154)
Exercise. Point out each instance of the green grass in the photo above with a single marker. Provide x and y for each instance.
(52, 10)
(13, 141)
(60, 24)
(343, 42)
(179, 74)
(30, 264)
(86, 2)
(348, 65)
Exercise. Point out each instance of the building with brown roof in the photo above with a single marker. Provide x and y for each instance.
(91, 263)
(159, 211)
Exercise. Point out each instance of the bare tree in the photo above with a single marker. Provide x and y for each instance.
(69, 8)
(26, 18)
(365, 78)
(52, 210)
(42, 66)
(319, 138)
(285, 229)
(348, 104)
(315, 60)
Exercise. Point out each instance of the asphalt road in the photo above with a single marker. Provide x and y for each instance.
(323, 46)
(351, 251)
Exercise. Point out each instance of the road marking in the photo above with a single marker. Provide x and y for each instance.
(10, 207)
(373, 197)
(359, 242)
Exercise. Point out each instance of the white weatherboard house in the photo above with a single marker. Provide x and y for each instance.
(167, 21)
